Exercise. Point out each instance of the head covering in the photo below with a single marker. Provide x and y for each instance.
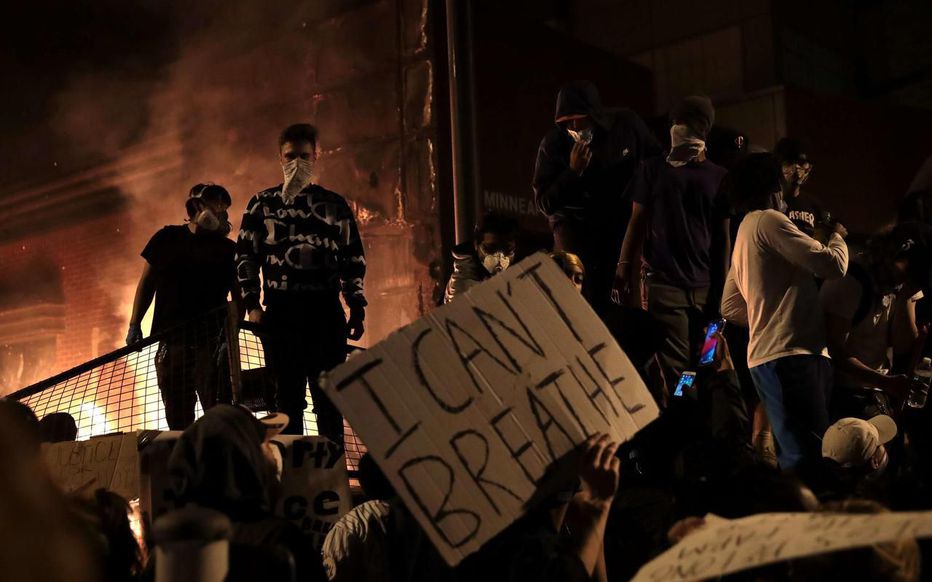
(851, 442)
(218, 462)
(58, 427)
(695, 112)
(790, 150)
(579, 99)
(913, 241)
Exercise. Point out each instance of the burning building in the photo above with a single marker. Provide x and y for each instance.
(70, 246)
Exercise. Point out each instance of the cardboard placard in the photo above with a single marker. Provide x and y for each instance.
(466, 409)
(727, 546)
(315, 487)
(109, 462)
(314, 490)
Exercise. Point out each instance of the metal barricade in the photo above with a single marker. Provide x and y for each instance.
(120, 391)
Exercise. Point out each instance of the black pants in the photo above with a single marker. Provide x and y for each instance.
(599, 251)
(191, 371)
(682, 313)
(307, 336)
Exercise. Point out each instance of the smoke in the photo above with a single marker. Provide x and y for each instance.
(240, 72)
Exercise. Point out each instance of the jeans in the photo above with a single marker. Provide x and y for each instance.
(682, 314)
(307, 336)
(795, 392)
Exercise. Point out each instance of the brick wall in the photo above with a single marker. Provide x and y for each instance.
(96, 266)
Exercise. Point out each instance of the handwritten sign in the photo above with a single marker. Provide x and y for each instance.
(725, 546)
(314, 490)
(109, 462)
(469, 409)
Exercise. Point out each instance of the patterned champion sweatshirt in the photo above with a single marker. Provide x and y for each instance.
(311, 245)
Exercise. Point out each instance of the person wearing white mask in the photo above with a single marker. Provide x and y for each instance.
(491, 251)
(189, 271)
(304, 240)
(771, 290)
(583, 165)
(679, 223)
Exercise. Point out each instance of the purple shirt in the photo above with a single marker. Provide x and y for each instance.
(684, 206)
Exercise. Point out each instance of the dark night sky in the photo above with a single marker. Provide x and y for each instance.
(112, 47)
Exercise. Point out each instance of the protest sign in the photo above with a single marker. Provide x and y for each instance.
(467, 409)
(109, 462)
(314, 490)
(728, 546)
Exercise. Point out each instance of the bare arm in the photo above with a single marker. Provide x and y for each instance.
(635, 235)
(145, 292)
(905, 329)
(837, 329)
(630, 260)
(599, 476)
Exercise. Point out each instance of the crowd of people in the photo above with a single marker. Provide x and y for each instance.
(804, 358)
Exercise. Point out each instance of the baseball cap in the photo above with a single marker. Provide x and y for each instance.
(851, 442)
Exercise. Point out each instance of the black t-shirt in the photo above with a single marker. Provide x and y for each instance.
(803, 212)
(684, 205)
(194, 272)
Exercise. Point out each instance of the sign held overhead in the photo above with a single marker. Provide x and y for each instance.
(469, 408)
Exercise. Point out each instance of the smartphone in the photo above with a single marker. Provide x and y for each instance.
(686, 381)
(710, 345)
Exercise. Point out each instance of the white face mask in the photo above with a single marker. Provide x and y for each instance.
(207, 220)
(496, 262)
(583, 136)
(685, 146)
(298, 174)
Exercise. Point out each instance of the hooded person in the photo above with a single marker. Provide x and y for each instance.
(221, 462)
(583, 166)
(680, 224)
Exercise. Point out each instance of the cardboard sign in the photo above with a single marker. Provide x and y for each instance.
(315, 487)
(109, 462)
(469, 408)
(314, 490)
(727, 546)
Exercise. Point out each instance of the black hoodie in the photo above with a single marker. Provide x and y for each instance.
(218, 463)
(596, 198)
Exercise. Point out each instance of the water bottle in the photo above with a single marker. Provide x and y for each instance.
(920, 393)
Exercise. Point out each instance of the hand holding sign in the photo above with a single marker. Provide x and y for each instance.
(599, 472)
(473, 411)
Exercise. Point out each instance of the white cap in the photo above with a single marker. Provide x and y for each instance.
(851, 442)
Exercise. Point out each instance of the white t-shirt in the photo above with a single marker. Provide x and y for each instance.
(771, 286)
